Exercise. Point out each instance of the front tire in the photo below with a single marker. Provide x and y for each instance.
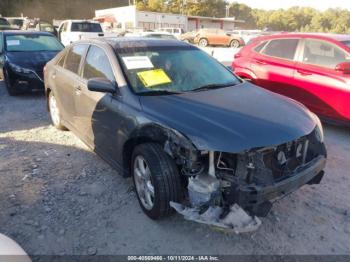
(156, 179)
(12, 91)
(55, 112)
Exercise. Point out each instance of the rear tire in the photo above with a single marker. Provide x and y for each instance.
(154, 170)
(55, 112)
(12, 91)
(234, 44)
(203, 42)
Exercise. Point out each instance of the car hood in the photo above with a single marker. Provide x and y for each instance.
(31, 60)
(231, 119)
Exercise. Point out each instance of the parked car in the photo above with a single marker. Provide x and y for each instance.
(73, 30)
(17, 22)
(246, 35)
(188, 37)
(39, 25)
(177, 32)
(184, 127)
(311, 68)
(212, 36)
(4, 24)
(23, 55)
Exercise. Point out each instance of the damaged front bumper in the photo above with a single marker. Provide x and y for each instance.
(256, 199)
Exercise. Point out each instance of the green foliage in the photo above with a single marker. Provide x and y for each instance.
(294, 19)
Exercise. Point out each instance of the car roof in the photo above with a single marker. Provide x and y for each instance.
(119, 43)
(325, 36)
(81, 21)
(20, 32)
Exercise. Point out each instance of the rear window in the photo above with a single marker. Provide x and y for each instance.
(16, 22)
(347, 43)
(281, 48)
(163, 36)
(259, 47)
(86, 27)
(32, 43)
(74, 57)
(4, 22)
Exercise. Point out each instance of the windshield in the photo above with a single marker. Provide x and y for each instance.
(31, 43)
(86, 27)
(173, 70)
(347, 43)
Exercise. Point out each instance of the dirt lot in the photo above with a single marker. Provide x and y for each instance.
(57, 197)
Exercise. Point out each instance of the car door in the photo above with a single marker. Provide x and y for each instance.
(211, 35)
(222, 37)
(98, 117)
(2, 55)
(274, 65)
(320, 86)
(63, 34)
(65, 79)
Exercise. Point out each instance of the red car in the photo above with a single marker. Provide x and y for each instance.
(313, 69)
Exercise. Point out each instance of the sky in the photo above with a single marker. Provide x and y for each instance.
(275, 4)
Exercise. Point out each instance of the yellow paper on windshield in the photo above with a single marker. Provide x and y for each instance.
(155, 77)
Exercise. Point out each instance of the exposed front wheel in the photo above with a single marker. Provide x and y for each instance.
(156, 180)
(55, 112)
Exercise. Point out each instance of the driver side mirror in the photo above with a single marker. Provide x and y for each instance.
(343, 67)
(102, 85)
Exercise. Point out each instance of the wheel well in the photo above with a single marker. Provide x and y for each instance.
(204, 39)
(47, 93)
(128, 149)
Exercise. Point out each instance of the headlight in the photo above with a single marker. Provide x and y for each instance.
(319, 129)
(20, 69)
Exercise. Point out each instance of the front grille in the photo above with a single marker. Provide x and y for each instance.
(284, 160)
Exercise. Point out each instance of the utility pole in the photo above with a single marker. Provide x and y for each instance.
(227, 11)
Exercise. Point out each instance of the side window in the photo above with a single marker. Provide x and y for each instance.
(74, 57)
(97, 65)
(281, 48)
(324, 54)
(259, 47)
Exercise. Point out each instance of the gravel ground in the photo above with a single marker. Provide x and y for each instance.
(58, 197)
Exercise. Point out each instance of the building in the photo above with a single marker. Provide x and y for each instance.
(128, 17)
(198, 22)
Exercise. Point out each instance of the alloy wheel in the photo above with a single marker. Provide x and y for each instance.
(143, 182)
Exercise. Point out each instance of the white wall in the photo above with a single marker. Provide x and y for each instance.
(151, 20)
(126, 15)
(229, 26)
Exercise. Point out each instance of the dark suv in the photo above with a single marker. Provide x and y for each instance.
(191, 134)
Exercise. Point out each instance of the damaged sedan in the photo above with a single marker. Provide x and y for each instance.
(194, 137)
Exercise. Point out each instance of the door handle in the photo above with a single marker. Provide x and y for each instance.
(304, 73)
(260, 62)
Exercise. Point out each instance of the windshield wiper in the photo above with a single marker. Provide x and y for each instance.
(213, 86)
(159, 92)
